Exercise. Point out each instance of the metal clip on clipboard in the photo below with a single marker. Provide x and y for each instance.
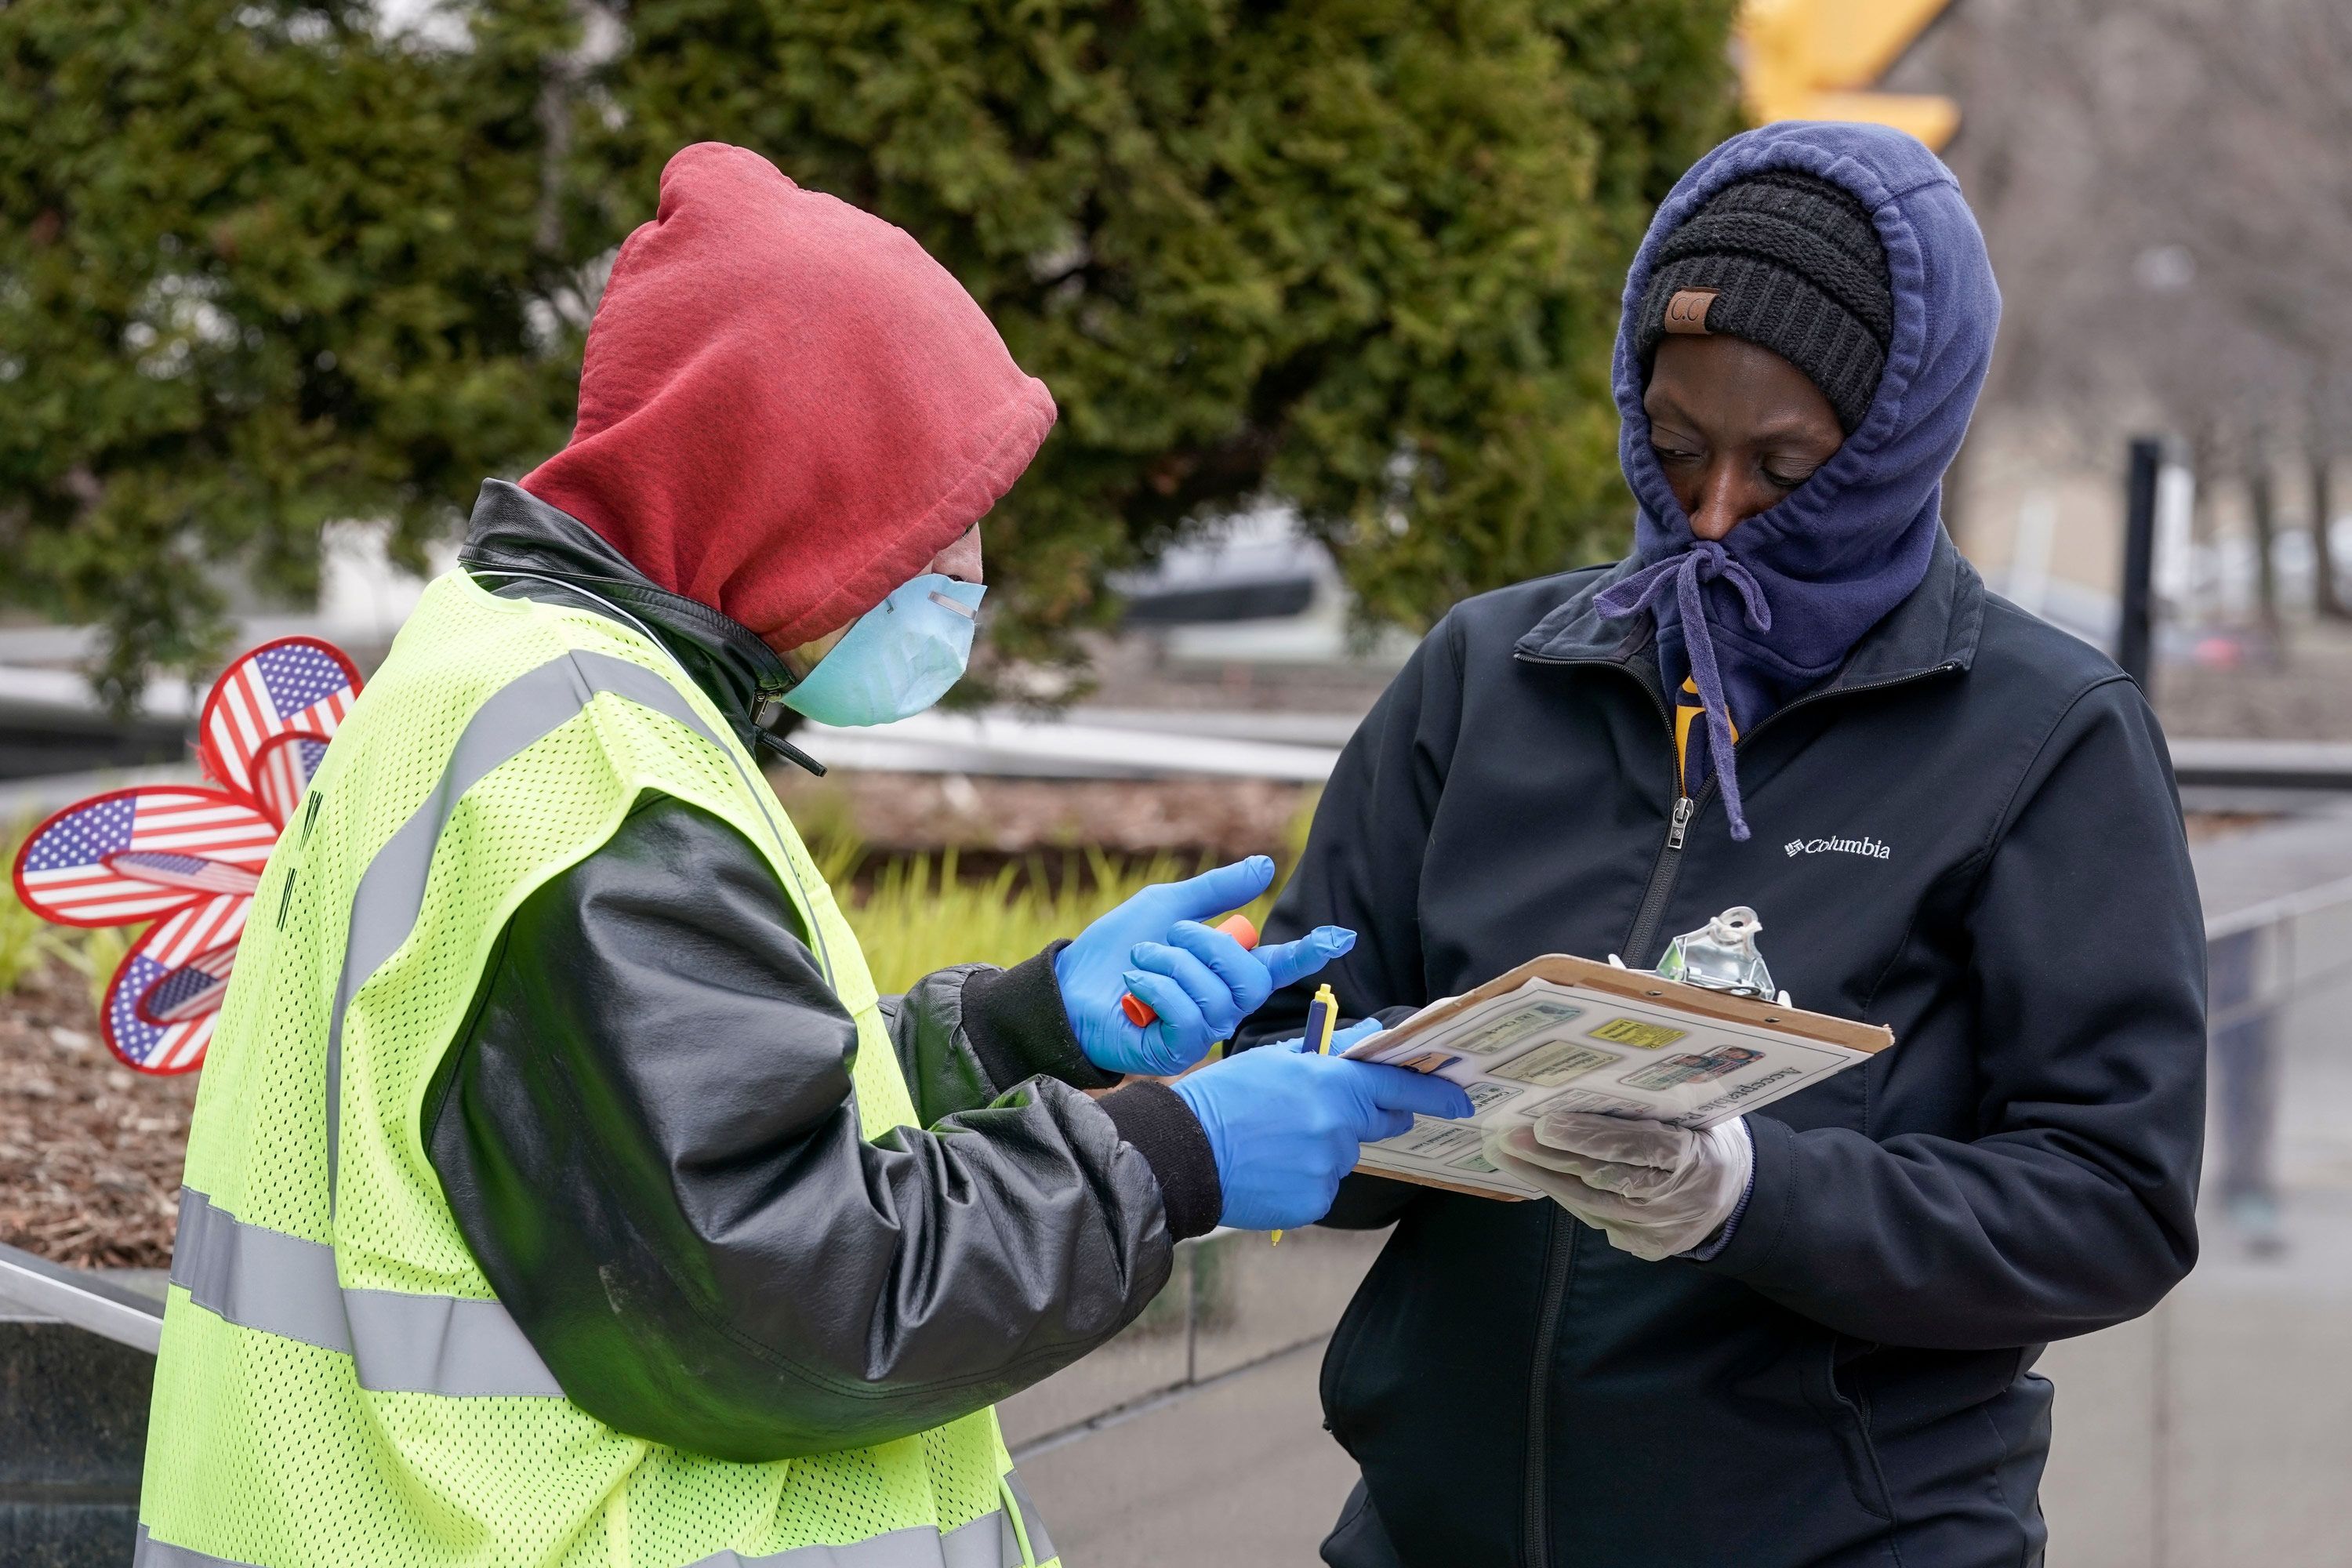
(1720, 956)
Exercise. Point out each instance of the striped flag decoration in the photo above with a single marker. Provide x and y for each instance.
(136, 854)
(191, 990)
(282, 770)
(161, 1008)
(290, 686)
(190, 871)
(189, 858)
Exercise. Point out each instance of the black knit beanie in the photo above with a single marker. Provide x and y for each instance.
(1788, 261)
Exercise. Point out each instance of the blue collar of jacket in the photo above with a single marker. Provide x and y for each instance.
(550, 553)
(1932, 631)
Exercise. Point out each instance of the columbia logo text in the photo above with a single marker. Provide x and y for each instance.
(1868, 848)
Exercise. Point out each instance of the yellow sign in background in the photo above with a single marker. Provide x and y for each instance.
(1816, 59)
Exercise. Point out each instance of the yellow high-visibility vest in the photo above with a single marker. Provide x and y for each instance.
(338, 1385)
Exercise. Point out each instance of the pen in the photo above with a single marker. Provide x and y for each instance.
(1322, 1017)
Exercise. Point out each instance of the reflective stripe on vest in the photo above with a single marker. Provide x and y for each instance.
(391, 891)
(459, 1346)
(991, 1541)
(403, 1342)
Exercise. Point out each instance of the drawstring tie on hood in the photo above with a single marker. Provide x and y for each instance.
(1681, 574)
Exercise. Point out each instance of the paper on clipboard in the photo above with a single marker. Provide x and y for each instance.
(1567, 1034)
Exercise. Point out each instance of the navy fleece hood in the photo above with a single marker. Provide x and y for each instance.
(1789, 592)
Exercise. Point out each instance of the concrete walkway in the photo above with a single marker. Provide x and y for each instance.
(2217, 1431)
(1239, 1475)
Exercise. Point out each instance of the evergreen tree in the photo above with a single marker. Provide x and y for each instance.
(262, 267)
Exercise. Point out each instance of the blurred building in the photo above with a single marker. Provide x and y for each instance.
(2159, 181)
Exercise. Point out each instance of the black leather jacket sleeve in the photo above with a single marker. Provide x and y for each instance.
(648, 1133)
(967, 1034)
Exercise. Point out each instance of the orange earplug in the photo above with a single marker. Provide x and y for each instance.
(1139, 1012)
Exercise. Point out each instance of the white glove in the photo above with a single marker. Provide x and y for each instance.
(1653, 1189)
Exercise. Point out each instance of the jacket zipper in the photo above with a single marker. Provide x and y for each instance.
(1669, 862)
(1560, 1236)
(1661, 881)
(1559, 1259)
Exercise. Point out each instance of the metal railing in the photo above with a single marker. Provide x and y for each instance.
(2261, 961)
(83, 1299)
(2208, 1439)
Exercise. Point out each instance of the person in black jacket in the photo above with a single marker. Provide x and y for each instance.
(1807, 1339)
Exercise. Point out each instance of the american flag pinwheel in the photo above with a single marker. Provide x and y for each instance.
(188, 857)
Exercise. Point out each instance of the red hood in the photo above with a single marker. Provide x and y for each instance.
(786, 407)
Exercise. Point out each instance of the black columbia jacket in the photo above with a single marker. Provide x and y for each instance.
(648, 1135)
(1850, 1381)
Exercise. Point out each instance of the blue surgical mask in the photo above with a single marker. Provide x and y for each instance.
(896, 660)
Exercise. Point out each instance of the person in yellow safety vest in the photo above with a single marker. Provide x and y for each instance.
(560, 1191)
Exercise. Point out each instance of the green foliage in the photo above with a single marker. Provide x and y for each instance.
(262, 265)
(27, 942)
(919, 914)
(259, 268)
(915, 913)
(1361, 254)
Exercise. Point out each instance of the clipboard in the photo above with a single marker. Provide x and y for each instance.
(1565, 1033)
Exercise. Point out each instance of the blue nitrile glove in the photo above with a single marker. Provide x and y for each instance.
(1284, 1126)
(1200, 981)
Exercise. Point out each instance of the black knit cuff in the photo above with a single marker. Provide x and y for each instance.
(1017, 1025)
(1162, 1129)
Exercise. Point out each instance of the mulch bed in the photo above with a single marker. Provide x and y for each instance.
(897, 812)
(89, 1150)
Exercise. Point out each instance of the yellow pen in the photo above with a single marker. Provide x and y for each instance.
(1322, 1018)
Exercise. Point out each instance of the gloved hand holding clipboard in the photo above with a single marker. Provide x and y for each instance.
(1560, 1033)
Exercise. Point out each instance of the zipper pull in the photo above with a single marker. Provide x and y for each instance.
(1682, 809)
(770, 712)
